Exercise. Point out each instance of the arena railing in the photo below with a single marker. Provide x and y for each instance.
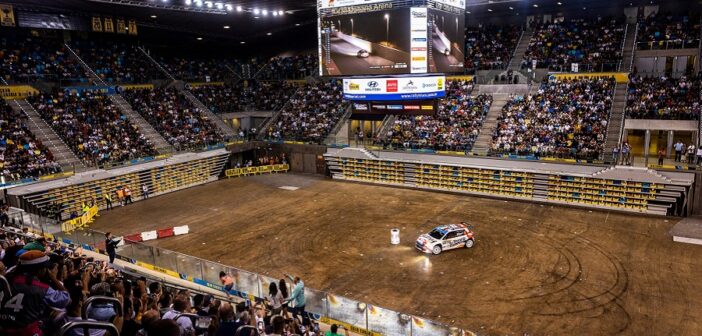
(359, 317)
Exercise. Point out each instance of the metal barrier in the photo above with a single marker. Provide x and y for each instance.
(356, 316)
(87, 326)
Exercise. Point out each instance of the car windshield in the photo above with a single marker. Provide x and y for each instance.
(436, 234)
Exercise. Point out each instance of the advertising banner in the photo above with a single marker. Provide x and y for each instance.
(394, 88)
(17, 91)
(323, 4)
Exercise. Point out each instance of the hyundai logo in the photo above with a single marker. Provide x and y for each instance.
(372, 84)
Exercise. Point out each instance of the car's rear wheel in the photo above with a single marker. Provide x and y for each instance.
(470, 243)
(436, 249)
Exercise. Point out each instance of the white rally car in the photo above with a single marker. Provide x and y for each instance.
(446, 237)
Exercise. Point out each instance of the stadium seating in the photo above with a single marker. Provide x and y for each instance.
(257, 96)
(21, 154)
(565, 119)
(313, 111)
(192, 70)
(175, 117)
(25, 58)
(666, 31)
(116, 62)
(454, 127)
(292, 67)
(92, 127)
(593, 45)
(490, 47)
(663, 98)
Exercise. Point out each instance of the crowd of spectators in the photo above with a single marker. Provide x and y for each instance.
(21, 154)
(490, 47)
(174, 117)
(26, 58)
(565, 118)
(595, 45)
(455, 126)
(254, 95)
(92, 126)
(194, 70)
(666, 31)
(663, 98)
(55, 284)
(117, 62)
(291, 67)
(311, 113)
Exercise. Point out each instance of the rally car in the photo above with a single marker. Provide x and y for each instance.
(446, 237)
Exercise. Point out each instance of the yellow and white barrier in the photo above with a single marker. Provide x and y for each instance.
(269, 169)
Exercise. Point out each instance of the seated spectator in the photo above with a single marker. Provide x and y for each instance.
(565, 118)
(25, 58)
(292, 67)
(311, 113)
(174, 117)
(663, 98)
(666, 31)
(594, 45)
(117, 62)
(490, 47)
(92, 127)
(455, 126)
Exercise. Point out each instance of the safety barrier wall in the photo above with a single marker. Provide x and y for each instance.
(626, 195)
(359, 317)
(268, 169)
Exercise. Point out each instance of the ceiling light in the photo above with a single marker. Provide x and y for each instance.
(239, 8)
(264, 12)
(199, 38)
(256, 11)
(280, 12)
(229, 8)
(467, 12)
(511, 8)
(226, 27)
(559, 3)
(188, 2)
(269, 34)
(255, 17)
(297, 25)
(209, 4)
(164, 0)
(275, 13)
(153, 16)
(219, 5)
(489, 10)
(242, 42)
(535, 5)
(198, 3)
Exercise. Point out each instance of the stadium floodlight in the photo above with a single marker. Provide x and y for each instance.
(209, 4)
(280, 12)
(219, 5)
(256, 11)
(176, 5)
(239, 9)
(229, 8)
(198, 3)
(275, 13)
(188, 2)
(264, 12)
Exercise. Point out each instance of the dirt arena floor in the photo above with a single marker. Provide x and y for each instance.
(535, 269)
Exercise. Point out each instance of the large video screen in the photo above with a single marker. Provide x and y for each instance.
(370, 37)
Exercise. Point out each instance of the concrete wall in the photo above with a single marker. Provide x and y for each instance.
(666, 125)
(390, 53)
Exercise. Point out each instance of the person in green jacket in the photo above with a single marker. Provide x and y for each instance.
(297, 297)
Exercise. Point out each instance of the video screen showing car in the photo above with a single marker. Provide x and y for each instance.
(447, 41)
(369, 43)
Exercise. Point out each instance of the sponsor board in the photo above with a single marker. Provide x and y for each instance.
(620, 77)
(9, 92)
(343, 3)
(394, 88)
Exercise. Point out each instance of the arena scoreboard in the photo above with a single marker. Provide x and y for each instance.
(380, 37)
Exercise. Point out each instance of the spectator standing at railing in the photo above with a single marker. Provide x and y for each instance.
(297, 297)
(275, 298)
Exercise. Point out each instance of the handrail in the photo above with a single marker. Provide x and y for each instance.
(626, 30)
(116, 304)
(158, 65)
(86, 326)
(264, 128)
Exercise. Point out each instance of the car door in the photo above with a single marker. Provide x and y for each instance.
(449, 240)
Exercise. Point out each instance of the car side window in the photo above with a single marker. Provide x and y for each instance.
(451, 235)
(460, 233)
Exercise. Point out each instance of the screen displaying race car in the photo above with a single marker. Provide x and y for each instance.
(446, 237)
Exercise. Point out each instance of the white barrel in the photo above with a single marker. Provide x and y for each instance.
(395, 236)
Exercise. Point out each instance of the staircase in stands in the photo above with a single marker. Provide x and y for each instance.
(616, 120)
(62, 153)
(340, 133)
(262, 132)
(161, 145)
(484, 140)
(629, 47)
(515, 63)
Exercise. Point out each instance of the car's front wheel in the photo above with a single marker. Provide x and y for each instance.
(436, 249)
(470, 243)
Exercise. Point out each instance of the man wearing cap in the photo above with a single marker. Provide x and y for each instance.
(22, 314)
